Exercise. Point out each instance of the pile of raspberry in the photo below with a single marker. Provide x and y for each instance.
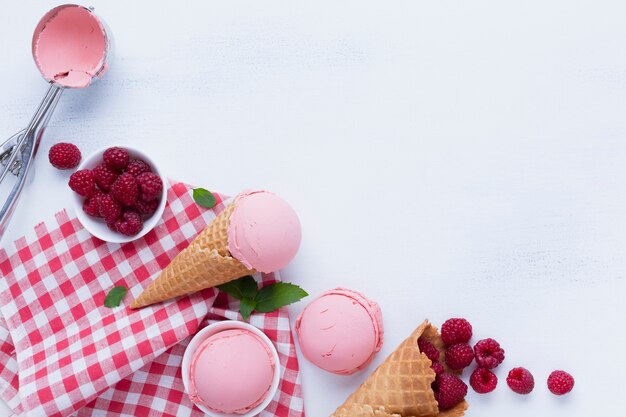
(120, 190)
(450, 390)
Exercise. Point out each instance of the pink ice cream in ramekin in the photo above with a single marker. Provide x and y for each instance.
(264, 231)
(231, 372)
(340, 331)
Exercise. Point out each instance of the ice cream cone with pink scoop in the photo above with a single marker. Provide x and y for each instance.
(258, 231)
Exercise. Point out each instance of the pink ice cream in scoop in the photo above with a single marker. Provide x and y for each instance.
(231, 372)
(264, 232)
(340, 331)
(70, 46)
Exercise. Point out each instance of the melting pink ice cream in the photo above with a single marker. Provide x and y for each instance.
(70, 46)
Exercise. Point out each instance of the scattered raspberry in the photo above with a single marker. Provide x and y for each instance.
(146, 208)
(455, 331)
(150, 185)
(64, 156)
(104, 177)
(429, 350)
(521, 381)
(110, 210)
(488, 353)
(459, 356)
(91, 205)
(82, 183)
(116, 158)
(137, 167)
(560, 382)
(125, 190)
(437, 368)
(450, 391)
(129, 224)
(483, 380)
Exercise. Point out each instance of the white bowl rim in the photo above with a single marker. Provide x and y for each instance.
(104, 233)
(219, 326)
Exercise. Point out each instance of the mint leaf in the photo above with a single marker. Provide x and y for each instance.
(204, 197)
(246, 306)
(240, 288)
(277, 295)
(115, 297)
(269, 298)
(249, 287)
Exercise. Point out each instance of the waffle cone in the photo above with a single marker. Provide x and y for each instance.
(205, 263)
(401, 385)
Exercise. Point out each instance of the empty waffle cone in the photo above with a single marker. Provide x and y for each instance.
(401, 385)
(205, 263)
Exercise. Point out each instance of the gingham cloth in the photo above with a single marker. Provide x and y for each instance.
(63, 353)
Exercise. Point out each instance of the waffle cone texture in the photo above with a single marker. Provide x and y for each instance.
(205, 263)
(401, 385)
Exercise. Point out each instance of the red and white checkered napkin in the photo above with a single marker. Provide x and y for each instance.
(63, 353)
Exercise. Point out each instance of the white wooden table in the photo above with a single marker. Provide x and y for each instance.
(446, 159)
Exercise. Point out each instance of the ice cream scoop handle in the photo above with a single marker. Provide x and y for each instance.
(24, 145)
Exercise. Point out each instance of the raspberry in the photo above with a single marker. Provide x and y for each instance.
(146, 208)
(112, 227)
(137, 167)
(64, 156)
(82, 183)
(104, 177)
(429, 350)
(110, 210)
(437, 368)
(450, 391)
(483, 380)
(455, 331)
(521, 381)
(150, 185)
(116, 158)
(560, 382)
(91, 205)
(129, 224)
(488, 353)
(125, 190)
(459, 356)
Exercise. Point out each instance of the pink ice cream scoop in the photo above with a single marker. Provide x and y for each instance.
(264, 231)
(231, 372)
(340, 331)
(70, 46)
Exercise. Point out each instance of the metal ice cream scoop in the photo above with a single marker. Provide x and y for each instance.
(60, 42)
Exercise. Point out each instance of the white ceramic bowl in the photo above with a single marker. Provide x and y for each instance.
(214, 328)
(98, 227)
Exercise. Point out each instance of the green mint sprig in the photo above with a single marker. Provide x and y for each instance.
(204, 198)
(267, 299)
(115, 296)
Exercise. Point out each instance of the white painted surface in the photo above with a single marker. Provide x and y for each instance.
(446, 158)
